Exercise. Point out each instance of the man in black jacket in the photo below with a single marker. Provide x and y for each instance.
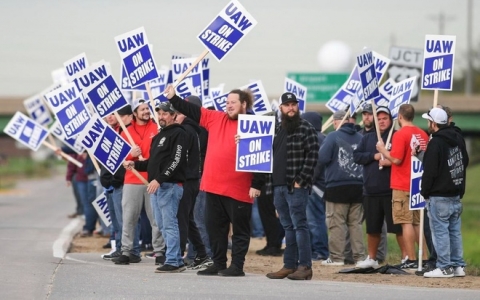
(376, 188)
(166, 174)
(443, 185)
(186, 223)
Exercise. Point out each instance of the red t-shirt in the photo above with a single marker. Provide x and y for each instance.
(142, 136)
(403, 141)
(219, 175)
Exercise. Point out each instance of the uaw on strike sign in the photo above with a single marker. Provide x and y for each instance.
(416, 200)
(438, 59)
(104, 143)
(255, 148)
(227, 29)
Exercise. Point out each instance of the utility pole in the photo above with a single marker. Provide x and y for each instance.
(469, 75)
(441, 18)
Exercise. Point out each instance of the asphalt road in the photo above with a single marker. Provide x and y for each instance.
(34, 228)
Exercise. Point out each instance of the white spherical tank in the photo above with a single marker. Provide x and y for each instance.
(335, 56)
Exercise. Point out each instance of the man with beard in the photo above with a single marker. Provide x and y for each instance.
(343, 192)
(295, 154)
(367, 119)
(135, 194)
(166, 173)
(229, 193)
(443, 185)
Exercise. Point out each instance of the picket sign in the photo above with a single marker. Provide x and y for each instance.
(62, 154)
(327, 123)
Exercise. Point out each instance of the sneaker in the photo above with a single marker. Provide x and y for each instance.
(210, 271)
(408, 264)
(318, 257)
(200, 263)
(113, 254)
(107, 245)
(439, 273)
(329, 262)
(135, 259)
(122, 260)
(367, 263)
(403, 260)
(159, 260)
(232, 271)
(459, 272)
(170, 269)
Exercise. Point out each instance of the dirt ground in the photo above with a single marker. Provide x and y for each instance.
(264, 264)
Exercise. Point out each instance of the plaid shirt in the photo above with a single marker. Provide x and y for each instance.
(302, 156)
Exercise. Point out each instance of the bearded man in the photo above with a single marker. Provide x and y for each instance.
(295, 154)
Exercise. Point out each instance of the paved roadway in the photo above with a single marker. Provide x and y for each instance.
(34, 228)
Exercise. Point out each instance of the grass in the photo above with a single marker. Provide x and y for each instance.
(470, 225)
(13, 169)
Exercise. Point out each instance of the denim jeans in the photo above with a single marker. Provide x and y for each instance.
(199, 216)
(257, 228)
(317, 225)
(87, 192)
(292, 210)
(78, 199)
(445, 223)
(165, 203)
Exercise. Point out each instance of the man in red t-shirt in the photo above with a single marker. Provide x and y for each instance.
(406, 139)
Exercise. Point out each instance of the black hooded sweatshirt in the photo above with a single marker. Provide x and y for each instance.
(193, 149)
(167, 162)
(444, 164)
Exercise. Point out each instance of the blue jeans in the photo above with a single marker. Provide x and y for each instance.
(165, 207)
(88, 193)
(257, 228)
(317, 225)
(78, 199)
(199, 216)
(292, 210)
(445, 223)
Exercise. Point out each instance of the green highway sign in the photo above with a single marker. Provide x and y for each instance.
(320, 86)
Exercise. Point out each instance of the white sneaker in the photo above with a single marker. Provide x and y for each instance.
(459, 272)
(330, 262)
(439, 273)
(404, 259)
(367, 263)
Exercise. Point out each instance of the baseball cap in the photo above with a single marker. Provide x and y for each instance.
(339, 115)
(194, 99)
(166, 107)
(383, 109)
(367, 108)
(288, 97)
(137, 102)
(126, 110)
(436, 115)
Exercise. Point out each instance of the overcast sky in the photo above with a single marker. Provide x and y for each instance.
(37, 37)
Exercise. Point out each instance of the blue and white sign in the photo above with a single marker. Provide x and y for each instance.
(59, 76)
(401, 94)
(416, 200)
(101, 207)
(108, 147)
(26, 131)
(180, 65)
(353, 84)
(214, 93)
(68, 106)
(75, 65)
(227, 29)
(340, 101)
(385, 92)
(137, 57)
(206, 77)
(86, 79)
(106, 97)
(299, 91)
(72, 143)
(355, 104)
(261, 104)
(185, 89)
(367, 74)
(438, 60)
(125, 82)
(38, 110)
(255, 147)
(381, 65)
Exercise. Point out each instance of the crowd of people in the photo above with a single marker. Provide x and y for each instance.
(323, 187)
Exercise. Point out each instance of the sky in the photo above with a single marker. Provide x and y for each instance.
(37, 37)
